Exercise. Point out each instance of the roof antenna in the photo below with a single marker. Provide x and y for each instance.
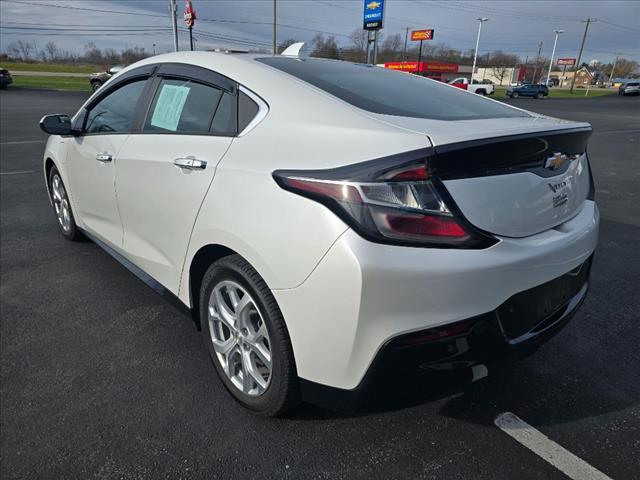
(293, 50)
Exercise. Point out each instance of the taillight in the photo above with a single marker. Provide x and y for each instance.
(391, 200)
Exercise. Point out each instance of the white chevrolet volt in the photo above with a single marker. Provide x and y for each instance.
(329, 222)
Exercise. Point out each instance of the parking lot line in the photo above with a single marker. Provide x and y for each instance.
(17, 172)
(561, 458)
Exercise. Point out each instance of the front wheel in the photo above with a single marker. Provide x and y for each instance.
(515, 95)
(62, 207)
(540, 95)
(247, 339)
(95, 86)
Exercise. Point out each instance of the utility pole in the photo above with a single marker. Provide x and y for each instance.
(613, 68)
(174, 23)
(475, 54)
(154, 49)
(553, 52)
(535, 69)
(275, 46)
(404, 52)
(584, 38)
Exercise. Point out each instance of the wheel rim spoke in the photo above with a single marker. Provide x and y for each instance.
(240, 338)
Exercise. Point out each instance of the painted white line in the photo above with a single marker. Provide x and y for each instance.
(17, 172)
(561, 458)
(23, 142)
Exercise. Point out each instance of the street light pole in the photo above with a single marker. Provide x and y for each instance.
(553, 52)
(475, 54)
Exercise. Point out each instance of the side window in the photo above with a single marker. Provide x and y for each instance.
(247, 109)
(182, 106)
(225, 121)
(113, 114)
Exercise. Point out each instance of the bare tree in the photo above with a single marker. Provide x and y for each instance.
(359, 39)
(13, 50)
(25, 49)
(391, 48)
(326, 48)
(51, 51)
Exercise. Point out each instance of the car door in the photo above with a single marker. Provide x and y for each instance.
(92, 156)
(165, 169)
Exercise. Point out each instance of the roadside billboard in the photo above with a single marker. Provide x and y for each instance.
(419, 35)
(569, 62)
(373, 14)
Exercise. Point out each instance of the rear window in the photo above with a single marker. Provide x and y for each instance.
(380, 90)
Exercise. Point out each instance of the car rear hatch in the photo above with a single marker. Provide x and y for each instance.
(512, 177)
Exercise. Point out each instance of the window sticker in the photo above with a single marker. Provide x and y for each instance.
(169, 107)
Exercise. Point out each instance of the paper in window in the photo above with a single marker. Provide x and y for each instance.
(169, 107)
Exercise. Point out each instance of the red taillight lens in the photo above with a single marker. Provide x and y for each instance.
(339, 191)
(423, 225)
(414, 173)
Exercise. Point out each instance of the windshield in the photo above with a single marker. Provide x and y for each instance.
(384, 91)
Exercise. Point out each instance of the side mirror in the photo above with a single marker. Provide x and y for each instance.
(59, 124)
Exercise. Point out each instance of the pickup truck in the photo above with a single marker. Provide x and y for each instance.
(479, 88)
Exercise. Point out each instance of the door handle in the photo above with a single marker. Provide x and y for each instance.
(190, 163)
(104, 157)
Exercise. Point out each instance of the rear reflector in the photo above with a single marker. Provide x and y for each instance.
(419, 225)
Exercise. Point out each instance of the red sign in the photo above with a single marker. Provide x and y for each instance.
(189, 14)
(422, 67)
(421, 35)
(567, 61)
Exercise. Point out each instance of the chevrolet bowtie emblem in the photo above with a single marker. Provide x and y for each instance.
(555, 161)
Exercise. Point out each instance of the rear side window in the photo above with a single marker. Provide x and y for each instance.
(113, 114)
(380, 90)
(182, 106)
(247, 110)
(225, 121)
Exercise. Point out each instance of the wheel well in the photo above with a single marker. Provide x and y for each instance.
(48, 165)
(481, 91)
(199, 265)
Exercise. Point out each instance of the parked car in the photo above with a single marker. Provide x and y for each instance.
(629, 88)
(100, 78)
(5, 78)
(528, 90)
(329, 223)
(475, 87)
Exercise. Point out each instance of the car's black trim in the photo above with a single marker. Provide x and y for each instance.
(482, 341)
(198, 74)
(145, 277)
(509, 154)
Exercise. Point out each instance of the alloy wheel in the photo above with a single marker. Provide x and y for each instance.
(61, 203)
(240, 338)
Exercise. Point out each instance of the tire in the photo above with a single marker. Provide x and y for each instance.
(481, 92)
(62, 207)
(539, 95)
(515, 95)
(230, 278)
(95, 86)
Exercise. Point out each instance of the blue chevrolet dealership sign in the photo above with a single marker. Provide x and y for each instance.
(373, 13)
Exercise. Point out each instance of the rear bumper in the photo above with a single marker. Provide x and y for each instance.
(487, 340)
(363, 295)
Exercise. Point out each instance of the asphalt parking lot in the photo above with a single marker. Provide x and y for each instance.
(101, 378)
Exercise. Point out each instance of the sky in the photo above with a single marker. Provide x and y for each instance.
(513, 26)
